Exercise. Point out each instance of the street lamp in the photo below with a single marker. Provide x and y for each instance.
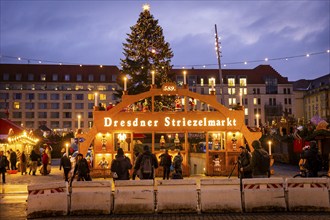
(257, 118)
(67, 149)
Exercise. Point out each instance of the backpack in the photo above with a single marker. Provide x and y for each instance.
(263, 160)
(146, 165)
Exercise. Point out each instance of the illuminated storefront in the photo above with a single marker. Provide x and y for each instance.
(204, 130)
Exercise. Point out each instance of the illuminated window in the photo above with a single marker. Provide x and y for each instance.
(43, 77)
(246, 111)
(231, 91)
(79, 87)
(243, 91)
(202, 82)
(232, 101)
(255, 101)
(90, 96)
(231, 81)
(17, 105)
(211, 81)
(242, 81)
(103, 97)
(101, 88)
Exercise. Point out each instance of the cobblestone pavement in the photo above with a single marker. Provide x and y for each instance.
(13, 197)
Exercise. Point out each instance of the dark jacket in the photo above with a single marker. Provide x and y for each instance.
(65, 163)
(312, 163)
(81, 167)
(3, 163)
(165, 160)
(34, 156)
(121, 165)
(13, 157)
(254, 166)
(244, 162)
(137, 165)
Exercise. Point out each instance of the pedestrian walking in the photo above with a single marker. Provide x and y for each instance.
(66, 164)
(13, 160)
(146, 163)
(4, 163)
(177, 164)
(260, 162)
(121, 166)
(34, 157)
(82, 169)
(166, 162)
(23, 163)
(45, 161)
(312, 159)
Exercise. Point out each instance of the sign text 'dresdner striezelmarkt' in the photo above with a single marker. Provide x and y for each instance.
(168, 121)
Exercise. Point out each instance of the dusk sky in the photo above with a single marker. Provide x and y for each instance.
(92, 32)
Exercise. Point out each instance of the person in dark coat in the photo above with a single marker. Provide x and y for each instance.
(66, 164)
(3, 166)
(34, 157)
(166, 162)
(81, 168)
(311, 156)
(13, 160)
(258, 171)
(244, 161)
(121, 164)
(141, 158)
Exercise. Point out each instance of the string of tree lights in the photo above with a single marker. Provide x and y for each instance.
(225, 64)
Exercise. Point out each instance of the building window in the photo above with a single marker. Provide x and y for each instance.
(16, 105)
(67, 114)
(18, 96)
(114, 78)
(271, 85)
(18, 77)
(55, 77)
(232, 101)
(54, 96)
(246, 111)
(285, 101)
(17, 114)
(67, 96)
(202, 82)
(90, 114)
(54, 115)
(289, 91)
(66, 77)
(79, 105)
(5, 77)
(42, 105)
(80, 96)
(246, 101)
(274, 101)
(103, 97)
(90, 96)
(42, 96)
(29, 115)
(212, 81)
(284, 90)
(29, 124)
(54, 124)
(67, 106)
(90, 77)
(55, 105)
(90, 105)
(79, 87)
(289, 101)
(255, 101)
(4, 96)
(43, 77)
(29, 105)
(202, 91)
(259, 101)
(79, 77)
(192, 80)
(42, 114)
(102, 78)
(231, 81)
(30, 96)
(231, 91)
(67, 124)
(30, 77)
(242, 81)
(243, 91)
(270, 101)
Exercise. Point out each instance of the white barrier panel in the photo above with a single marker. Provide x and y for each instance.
(264, 194)
(91, 197)
(177, 196)
(308, 194)
(220, 195)
(134, 196)
(43, 197)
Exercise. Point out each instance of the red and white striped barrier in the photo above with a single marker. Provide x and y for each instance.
(91, 198)
(42, 197)
(134, 196)
(220, 195)
(177, 196)
(308, 194)
(263, 194)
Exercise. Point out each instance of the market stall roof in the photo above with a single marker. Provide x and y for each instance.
(6, 125)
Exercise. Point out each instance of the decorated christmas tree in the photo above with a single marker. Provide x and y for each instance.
(146, 53)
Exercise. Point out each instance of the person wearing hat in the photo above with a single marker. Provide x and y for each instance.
(120, 165)
(82, 168)
(145, 164)
(260, 162)
(244, 161)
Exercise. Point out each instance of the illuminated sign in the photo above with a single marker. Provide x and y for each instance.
(169, 87)
(170, 122)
